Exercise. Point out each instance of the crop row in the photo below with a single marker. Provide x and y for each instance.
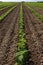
(39, 16)
(22, 48)
(36, 5)
(5, 14)
(6, 5)
(4, 8)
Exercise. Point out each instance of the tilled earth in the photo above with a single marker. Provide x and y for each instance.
(38, 10)
(9, 32)
(34, 37)
(9, 38)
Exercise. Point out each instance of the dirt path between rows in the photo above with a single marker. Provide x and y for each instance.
(4, 25)
(8, 45)
(34, 37)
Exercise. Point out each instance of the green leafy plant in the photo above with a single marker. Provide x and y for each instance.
(22, 50)
(4, 15)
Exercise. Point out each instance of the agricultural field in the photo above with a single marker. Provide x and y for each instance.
(21, 33)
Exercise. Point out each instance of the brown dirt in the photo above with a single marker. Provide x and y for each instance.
(34, 37)
(5, 10)
(39, 11)
(8, 46)
(4, 25)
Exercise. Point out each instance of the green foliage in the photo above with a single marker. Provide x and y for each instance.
(22, 50)
(5, 4)
(21, 57)
(36, 14)
(35, 4)
(5, 14)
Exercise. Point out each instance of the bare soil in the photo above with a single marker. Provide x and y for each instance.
(39, 11)
(34, 37)
(9, 31)
(4, 25)
(9, 38)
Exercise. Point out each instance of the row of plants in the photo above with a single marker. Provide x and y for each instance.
(4, 8)
(5, 4)
(36, 13)
(22, 53)
(36, 5)
(6, 13)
